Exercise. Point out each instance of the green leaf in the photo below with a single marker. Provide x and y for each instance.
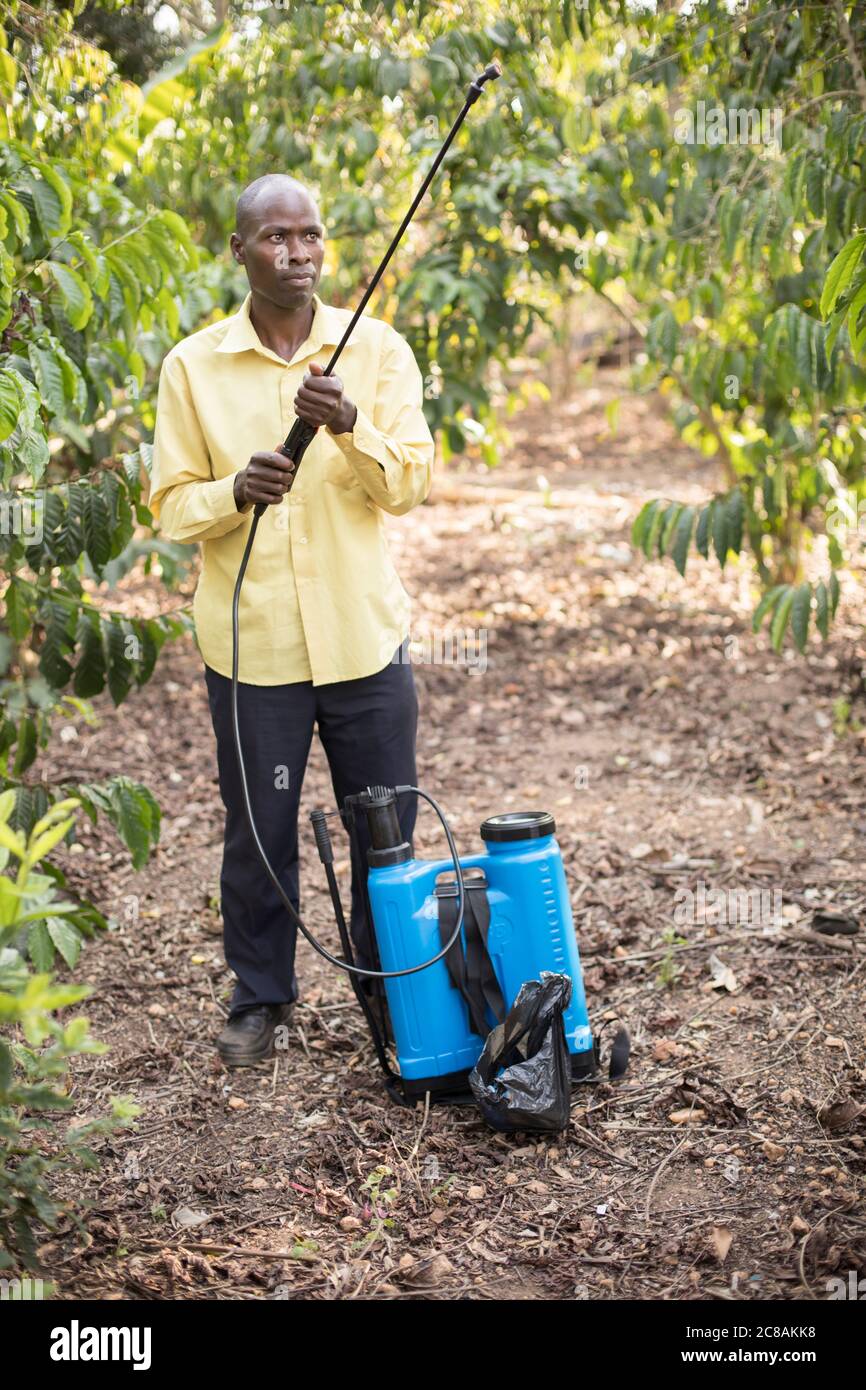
(40, 946)
(735, 508)
(650, 525)
(856, 331)
(167, 306)
(172, 83)
(781, 614)
(682, 537)
(27, 746)
(74, 294)
(49, 378)
(702, 534)
(153, 637)
(17, 598)
(10, 402)
(43, 844)
(653, 530)
(663, 336)
(642, 523)
(803, 351)
(800, 612)
(33, 455)
(768, 602)
(56, 646)
(30, 804)
(834, 593)
(96, 525)
(668, 523)
(120, 671)
(19, 219)
(66, 939)
(730, 221)
(822, 609)
(721, 532)
(52, 200)
(86, 250)
(70, 535)
(841, 272)
(12, 842)
(135, 815)
(89, 676)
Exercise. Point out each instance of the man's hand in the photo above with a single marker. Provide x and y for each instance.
(266, 478)
(320, 401)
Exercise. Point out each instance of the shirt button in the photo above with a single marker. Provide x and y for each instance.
(302, 540)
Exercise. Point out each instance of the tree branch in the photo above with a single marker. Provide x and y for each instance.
(853, 55)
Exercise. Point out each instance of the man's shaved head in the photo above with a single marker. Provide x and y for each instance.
(256, 193)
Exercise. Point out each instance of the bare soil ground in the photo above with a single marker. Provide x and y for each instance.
(675, 750)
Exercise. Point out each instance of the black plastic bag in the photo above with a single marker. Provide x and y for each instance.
(522, 1080)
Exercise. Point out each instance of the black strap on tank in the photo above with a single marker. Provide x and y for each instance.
(471, 972)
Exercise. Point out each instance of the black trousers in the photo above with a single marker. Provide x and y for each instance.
(367, 728)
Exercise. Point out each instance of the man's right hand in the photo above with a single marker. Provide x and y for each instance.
(267, 478)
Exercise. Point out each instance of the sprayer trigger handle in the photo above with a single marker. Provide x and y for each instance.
(282, 449)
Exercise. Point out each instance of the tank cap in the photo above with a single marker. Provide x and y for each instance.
(376, 796)
(518, 825)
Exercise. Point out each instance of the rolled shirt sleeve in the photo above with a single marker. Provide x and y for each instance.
(185, 498)
(392, 454)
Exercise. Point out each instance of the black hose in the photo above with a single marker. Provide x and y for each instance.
(269, 869)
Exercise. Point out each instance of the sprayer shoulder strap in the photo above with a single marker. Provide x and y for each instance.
(472, 971)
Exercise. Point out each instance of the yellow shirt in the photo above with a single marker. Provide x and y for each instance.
(321, 600)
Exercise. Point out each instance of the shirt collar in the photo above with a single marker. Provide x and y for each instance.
(241, 336)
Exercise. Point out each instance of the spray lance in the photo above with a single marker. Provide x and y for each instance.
(294, 448)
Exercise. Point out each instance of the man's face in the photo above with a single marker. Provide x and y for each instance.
(282, 246)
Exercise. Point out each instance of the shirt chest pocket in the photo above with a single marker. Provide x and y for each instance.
(332, 466)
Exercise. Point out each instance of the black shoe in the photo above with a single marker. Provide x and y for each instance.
(249, 1037)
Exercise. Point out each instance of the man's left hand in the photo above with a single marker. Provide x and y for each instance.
(320, 401)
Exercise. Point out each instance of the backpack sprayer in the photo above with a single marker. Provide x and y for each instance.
(457, 938)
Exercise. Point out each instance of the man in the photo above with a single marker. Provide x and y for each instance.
(323, 613)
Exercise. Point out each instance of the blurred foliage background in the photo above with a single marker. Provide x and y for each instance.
(696, 168)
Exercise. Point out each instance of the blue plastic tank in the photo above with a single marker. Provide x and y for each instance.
(531, 929)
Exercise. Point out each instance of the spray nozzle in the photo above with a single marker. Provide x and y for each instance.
(490, 73)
